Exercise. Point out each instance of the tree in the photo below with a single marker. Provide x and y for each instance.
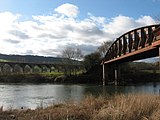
(78, 54)
(91, 60)
(72, 56)
(72, 53)
(68, 53)
(102, 49)
(95, 58)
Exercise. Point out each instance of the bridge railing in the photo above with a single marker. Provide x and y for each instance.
(133, 40)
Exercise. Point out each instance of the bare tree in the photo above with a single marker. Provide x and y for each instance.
(68, 53)
(78, 54)
(102, 49)
(72, 56)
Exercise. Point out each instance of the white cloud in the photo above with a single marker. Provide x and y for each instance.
(145, 20)
(49, 35)
(67, 9)
(121, 24)
(7, 21)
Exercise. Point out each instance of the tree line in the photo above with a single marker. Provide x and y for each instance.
(89, 60)
(91, 63)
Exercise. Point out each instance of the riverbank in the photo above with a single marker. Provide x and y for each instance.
(118, 107)
(49, 78)
(140, 77)
(88, 78)
(26, 78)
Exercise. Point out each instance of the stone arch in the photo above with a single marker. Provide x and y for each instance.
(64, 68)
(0, 68)
(53, 69)
(7, 68)
(28, 69)
(37, 69)
(45, 68)
(17, 68)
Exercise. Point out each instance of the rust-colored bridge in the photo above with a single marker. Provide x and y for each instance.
(136, 44)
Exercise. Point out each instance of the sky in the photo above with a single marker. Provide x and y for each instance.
(47, 27)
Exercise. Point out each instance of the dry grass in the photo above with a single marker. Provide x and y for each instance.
(118, 107)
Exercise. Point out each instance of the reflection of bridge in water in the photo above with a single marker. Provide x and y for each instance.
(134, 45)
(21, 67)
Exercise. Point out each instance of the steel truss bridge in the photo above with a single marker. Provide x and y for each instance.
(137, 44)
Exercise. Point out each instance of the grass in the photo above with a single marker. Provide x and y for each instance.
(2, 60)
(118, 107)
(56, 74)
(29, 77)
(52, 74)
(151, 71)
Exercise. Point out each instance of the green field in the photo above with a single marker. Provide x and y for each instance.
(55, 74)
(2, 60)
(151, 71)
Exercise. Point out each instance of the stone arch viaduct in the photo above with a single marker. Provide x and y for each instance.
(22, 67)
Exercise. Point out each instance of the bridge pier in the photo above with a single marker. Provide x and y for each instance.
(159, 62)
(111, 73)
(115, 76)
(105, 74)
(104, 78)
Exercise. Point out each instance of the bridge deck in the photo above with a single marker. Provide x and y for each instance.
(137, 44)
(140, 43)
(147, 52)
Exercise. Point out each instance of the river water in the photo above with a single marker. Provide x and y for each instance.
(32, 96)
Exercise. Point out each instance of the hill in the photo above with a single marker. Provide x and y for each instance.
(31, 58)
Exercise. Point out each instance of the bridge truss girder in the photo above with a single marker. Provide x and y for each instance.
(137, 44)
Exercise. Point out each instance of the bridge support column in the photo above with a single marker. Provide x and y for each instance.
(103, 79)
(0, 70)
(105, 75)
(116, 74)
(159, 62)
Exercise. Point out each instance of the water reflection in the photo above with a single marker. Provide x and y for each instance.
(32, 96)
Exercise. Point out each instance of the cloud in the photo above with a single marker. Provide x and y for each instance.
(121, 24)
(29, 52)
(67, 9)
(51, 52)
(48, 35)
(12, 41)
(8, 19)
(145, 20)
(19, 34)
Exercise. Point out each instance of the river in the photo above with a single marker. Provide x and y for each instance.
(42, 95)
